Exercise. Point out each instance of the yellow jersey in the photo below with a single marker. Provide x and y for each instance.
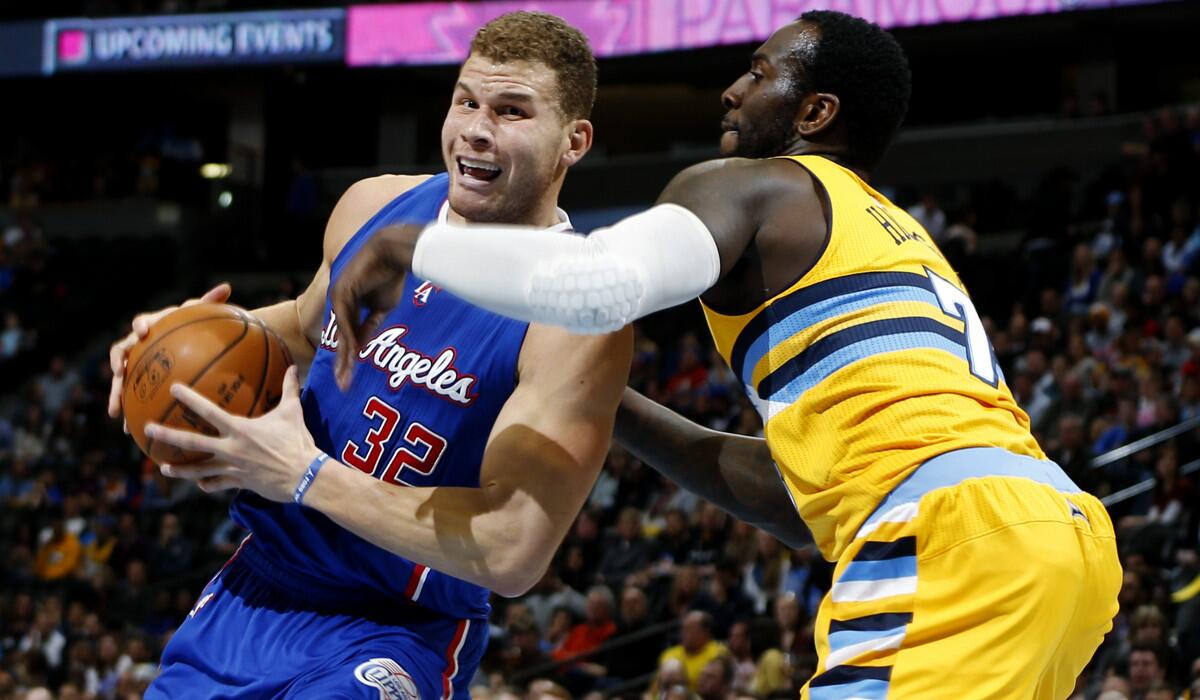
(873, 362)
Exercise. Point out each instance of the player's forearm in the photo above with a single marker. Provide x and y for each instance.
(284, 319)
(735, 472)
(492, 536)
(595, 284)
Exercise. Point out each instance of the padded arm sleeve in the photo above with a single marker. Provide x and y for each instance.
(588, 284)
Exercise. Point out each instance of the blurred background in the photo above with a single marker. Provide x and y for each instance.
(150, 148)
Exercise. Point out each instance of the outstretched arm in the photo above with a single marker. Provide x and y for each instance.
(669, 254)
(735, 472)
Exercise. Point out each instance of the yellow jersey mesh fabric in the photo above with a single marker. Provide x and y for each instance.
(870, 364)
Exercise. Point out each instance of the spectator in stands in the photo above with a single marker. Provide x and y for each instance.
(1147, 668)
(1172, 493)
(670, 682)
(687, 594)
(12, 338)
(716, 680)
(60, 556)
(742, 657)
(56, 385)
(1070, 450)
(730, 603)
(675, 541)
(44, 637)
(551, 594)
(1083, 281)
(522, 650)
(929, 215)
(636, 658)
(627, 552)
(766, 576)
(172, 553)
(711, 534)
(132, 600)
(596, 628)
(1175, 349)
(696, 648)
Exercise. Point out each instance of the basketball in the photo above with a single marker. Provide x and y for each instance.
(227, 355)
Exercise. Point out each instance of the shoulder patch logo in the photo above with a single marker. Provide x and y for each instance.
(392, 681)
(422, 293)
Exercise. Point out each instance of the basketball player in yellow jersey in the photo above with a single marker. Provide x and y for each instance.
(968, 566)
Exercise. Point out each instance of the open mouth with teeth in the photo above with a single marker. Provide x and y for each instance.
(478, 169)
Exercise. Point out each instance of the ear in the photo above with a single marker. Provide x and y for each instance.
(579, 141)
(817, 113)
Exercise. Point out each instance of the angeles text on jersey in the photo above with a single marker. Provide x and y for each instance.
(385, 352)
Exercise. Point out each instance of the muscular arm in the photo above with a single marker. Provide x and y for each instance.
(735, 472)
(541, 461)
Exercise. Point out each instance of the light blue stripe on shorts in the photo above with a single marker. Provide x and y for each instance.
(955, 467)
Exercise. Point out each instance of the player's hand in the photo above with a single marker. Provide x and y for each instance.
(367, 288)
(140, 327)
(266, 455)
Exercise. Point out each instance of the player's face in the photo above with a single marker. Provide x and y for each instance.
(504, 140)
(762, 104)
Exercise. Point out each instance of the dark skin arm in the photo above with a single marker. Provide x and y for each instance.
(736, 472)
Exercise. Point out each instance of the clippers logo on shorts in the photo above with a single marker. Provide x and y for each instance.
(393, 682)
(437, 375)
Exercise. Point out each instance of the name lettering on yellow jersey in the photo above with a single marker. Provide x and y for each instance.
(894, 228)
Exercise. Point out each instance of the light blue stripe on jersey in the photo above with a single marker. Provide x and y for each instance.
(900, 567)
(824, 310)
(860, 351)
(841, 640)
(867, 689)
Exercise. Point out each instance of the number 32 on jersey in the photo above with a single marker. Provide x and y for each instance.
(420, 451)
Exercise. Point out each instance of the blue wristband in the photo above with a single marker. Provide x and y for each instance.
(308, 478)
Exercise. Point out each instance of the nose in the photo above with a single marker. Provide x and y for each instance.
(732, 97)
(478, 131)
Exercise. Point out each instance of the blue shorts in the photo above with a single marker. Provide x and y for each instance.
(247, 637)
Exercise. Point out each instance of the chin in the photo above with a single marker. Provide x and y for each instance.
(470, 205)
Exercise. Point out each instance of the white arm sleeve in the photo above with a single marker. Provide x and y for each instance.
(588, 284)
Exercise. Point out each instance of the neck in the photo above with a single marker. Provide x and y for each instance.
(544, 216)
(835, 153)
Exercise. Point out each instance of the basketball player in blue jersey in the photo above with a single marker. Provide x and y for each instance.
(967, 564)
(454, 463)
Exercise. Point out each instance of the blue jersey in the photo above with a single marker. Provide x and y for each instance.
(426, 391)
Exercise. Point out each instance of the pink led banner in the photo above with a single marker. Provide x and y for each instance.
(431, 33)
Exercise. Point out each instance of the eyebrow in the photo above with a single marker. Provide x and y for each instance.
(516, 96)
(760, 56)
(508, 95)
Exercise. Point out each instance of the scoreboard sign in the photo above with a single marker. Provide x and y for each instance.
(172, 41)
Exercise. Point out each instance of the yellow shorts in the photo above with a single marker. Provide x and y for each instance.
(984, 575)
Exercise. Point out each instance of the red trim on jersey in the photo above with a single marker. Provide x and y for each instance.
(456, 646)
(236, 553)
(414, 581)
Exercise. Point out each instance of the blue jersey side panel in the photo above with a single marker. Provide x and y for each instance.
(425, 394)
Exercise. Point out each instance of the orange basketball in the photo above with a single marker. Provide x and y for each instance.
(226, 354)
